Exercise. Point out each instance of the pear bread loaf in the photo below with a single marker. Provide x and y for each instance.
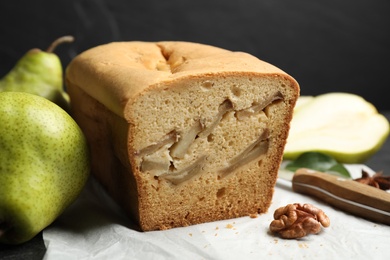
(182, 133)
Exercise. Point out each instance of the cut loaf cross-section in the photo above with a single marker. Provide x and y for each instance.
(182, 133)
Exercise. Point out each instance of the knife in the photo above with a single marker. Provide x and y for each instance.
(346, 194)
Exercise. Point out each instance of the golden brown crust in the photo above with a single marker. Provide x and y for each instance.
(182, 133)
(150, 63)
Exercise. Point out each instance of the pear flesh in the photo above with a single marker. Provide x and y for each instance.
(40, 73)
(342, 125)
(44, 164)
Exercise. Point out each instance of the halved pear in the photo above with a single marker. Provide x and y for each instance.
(342, 125)
(302, 101)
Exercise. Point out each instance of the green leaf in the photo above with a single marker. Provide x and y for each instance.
(339, 169)
(319, 162)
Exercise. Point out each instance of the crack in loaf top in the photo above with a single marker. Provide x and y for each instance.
(115, 73)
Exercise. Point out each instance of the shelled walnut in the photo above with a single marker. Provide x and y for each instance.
(298, 220)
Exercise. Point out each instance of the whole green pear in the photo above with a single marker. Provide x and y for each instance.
(44, 164)
(39, 72)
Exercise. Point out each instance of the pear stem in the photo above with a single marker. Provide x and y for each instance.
(63, 39)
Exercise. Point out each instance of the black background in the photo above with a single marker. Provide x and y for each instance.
(327, 45)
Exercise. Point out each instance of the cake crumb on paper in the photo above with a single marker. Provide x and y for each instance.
(303, 245)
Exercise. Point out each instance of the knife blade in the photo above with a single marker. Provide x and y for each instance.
(346, 194)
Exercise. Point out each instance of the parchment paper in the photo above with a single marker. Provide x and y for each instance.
(95, 228)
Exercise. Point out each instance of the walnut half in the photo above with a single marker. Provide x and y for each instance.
(297, 220)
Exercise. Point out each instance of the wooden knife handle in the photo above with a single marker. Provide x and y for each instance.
(346, 194)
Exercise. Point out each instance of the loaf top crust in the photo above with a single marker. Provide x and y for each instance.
(116, 73)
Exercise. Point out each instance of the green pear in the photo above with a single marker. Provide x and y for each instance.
(39, 72)
(342, 125)
(44, 164)
(301, 102)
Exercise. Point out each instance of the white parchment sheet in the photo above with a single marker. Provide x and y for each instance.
(95, 228)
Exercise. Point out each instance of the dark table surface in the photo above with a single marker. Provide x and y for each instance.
(35, 249)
